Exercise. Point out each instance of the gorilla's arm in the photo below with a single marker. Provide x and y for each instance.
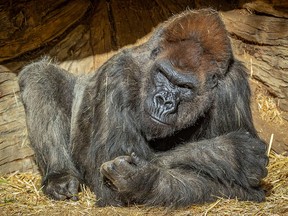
(231, 165)
(46, 92)
(235, 160)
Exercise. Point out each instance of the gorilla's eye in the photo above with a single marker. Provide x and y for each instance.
(214, 80)
(155, 52)
(185, 86)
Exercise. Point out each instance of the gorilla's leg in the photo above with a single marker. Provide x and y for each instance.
(47, 94)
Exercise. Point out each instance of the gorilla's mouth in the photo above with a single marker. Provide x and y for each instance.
(158, 121)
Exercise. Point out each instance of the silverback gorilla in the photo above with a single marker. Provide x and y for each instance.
(166, 123)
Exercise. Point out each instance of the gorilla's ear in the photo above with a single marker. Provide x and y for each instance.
(204, 27)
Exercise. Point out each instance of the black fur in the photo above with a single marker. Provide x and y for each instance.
(98, 129)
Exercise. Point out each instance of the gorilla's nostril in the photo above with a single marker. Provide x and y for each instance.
(168, 104)
(160, 99)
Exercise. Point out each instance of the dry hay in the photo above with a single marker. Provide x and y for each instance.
(267, 106)
(20, 195)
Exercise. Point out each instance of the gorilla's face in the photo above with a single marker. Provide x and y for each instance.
(179, 88)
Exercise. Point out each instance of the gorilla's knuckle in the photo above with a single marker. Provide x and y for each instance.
(107, 166)
(121, 161)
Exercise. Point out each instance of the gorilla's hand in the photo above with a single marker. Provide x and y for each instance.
(61, 186)
(128, 174)
(252, 161)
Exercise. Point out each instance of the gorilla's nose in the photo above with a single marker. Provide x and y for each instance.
(165, 100)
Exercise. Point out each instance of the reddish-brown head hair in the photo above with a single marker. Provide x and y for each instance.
(199, 32)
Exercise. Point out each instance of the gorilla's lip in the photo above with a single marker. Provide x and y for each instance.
(157, 120)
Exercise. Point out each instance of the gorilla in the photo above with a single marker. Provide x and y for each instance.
(165, 123)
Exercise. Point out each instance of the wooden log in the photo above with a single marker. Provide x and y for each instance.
(15, 154)
(275, 9)
(139, 18)
(261, 43)
(28, 25)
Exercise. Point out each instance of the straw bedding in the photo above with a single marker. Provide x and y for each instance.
(20, 194)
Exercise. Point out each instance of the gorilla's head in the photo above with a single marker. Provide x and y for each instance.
(184, 60)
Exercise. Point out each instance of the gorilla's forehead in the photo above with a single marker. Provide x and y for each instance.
(185, 55)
